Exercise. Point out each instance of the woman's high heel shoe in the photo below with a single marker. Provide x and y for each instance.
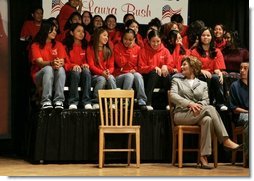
(233, 149)
(205, 166)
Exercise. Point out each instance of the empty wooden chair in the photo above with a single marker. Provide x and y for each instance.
(116, 116)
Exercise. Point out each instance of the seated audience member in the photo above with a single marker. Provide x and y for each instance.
(75, 17)
(66, 11)
(182, 27)
(233, 54)
(111, 26)
(219, 40)
(100, 59)
(76, 66)
(133, 24)
(156, 65)
(126, 55)
(191, 100)
(87, 21)
(175, 46)
(97, 22)
(32, 26)
(239, 95)
(48, 56)
(190, 41)
(166, 28)
(239, 103)
(212, 65)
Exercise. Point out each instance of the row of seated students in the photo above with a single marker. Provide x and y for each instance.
(150, 68)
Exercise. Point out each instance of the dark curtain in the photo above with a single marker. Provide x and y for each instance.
(234, 14)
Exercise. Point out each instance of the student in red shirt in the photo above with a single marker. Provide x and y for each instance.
(111, 26)
(156, 64)
(100, 59)
(126, 66)
(212, 66)
(219, 32)
(176, 48)
(67, 10)
(133, 24)
(75, 17)
(76, 67)
(31, 27)
(48, 56)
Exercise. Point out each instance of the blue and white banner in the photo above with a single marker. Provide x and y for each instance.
(143, 10)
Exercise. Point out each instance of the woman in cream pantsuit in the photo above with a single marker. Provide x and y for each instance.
(190, 96)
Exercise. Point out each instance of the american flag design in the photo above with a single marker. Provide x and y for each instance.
(167, 11)
(56, 6)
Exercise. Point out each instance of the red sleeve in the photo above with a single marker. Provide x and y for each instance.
(64, 15)
(219, 62)
(35, 52)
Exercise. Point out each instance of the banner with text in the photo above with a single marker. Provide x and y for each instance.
(143, 10)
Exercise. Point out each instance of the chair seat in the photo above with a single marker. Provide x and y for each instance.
(119, 129)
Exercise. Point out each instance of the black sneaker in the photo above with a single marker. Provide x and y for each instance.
(58, 105)
(47, 105)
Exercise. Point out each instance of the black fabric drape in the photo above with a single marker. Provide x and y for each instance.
(72, 136)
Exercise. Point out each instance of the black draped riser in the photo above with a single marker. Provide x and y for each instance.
(71, 136)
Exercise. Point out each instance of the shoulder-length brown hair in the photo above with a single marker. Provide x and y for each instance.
(194, 63)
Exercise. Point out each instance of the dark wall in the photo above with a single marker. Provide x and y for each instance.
(234, 14)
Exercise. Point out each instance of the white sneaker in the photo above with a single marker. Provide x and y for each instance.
(167, 107)
(88, 106)
(223, 108)
(113, 106)
(96, 106)
(58, 105)
(47, 105)
(149, 108)
(73, 106)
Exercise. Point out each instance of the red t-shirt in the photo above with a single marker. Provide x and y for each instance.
(98, 69)
(126, 59)
(150, 58)
(114, 36)
(29, 29)
(48, 53)
(211, 64)
(77, 56)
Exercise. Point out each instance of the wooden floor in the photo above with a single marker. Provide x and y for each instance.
(19, 167)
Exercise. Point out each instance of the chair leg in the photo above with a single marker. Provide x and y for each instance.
(180, 148)
(101, 148)
(234, 152)
(215, 151)
(138, 147)
(199, 141)
(174, 149)
(129, 147)
(244, 155)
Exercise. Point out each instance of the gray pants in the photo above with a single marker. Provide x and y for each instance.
(209, 121)
(49, 79)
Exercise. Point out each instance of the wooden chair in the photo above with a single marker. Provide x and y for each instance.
(116, 115)
(237, 133)
(178, 132)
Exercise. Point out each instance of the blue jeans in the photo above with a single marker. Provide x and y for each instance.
(49, 79)
(84, 80)
(100, 82)
(125, 81)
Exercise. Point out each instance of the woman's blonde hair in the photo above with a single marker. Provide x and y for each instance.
(194, 63)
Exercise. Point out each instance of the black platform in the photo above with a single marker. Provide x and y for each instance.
(72, 136)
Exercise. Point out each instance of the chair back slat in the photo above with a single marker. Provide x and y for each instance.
(116, 106)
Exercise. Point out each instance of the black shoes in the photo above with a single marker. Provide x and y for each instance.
(233, 149)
